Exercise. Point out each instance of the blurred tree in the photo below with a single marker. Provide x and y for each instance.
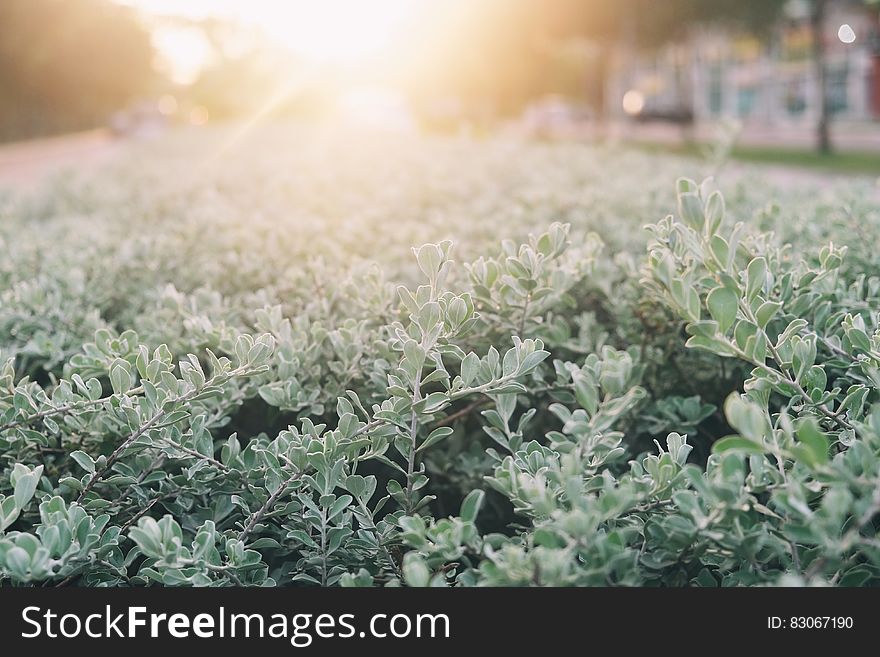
(818, 12)
(478, 60)
(233, 86)
(68, 64)
(496, 55)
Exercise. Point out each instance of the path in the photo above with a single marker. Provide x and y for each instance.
(24, 164)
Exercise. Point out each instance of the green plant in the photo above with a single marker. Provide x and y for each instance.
(301, 400)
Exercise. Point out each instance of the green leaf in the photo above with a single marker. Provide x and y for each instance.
(816, 442)
(586, 392)
(714, 212)
(414, 354)
(339, 506)
(429, 258)
(690, 209)
(85, 461)
(471, 504)
(302, 537)
(720, 250)
(431, 403)
(470, 366)
(18, 562)
(435, 437)
(756, 275)
(737, 444)
(415, 571)
(148, 537)
(9, 512)
(173, 418)
(356, 485)
(715, 346)
(25, 488)
(766, 312)
(121, 379)
(722, 303)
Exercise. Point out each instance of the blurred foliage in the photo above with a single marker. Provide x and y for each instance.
(496, 55)
(68, 64)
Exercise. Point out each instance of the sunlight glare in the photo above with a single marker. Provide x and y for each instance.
(337, 31)
(182, 51)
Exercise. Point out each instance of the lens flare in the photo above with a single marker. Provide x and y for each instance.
(633, 102)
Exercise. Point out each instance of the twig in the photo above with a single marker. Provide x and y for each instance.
(413, 435)
(140, 514)
(786, 372)
(99, 475)
(198, 455)
(467, 410)
(258, 515)
(152, 422)
(58, 410)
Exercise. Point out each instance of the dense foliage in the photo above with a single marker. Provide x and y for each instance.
(231, 369)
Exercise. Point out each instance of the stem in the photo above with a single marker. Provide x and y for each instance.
(369, 426)
(100, 562)
(413, 436)
(525, 314)
(837, 351)
(372, 526)
(465, 392)
(467, 410)
(256, 517)
(140, 514)
(58, 410)
(323, 547)
(152, 422)
(198, 455)
(225, 570)
(831, 415)
(795, 559)
(99, 475)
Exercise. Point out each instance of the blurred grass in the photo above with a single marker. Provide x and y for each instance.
(838, 162)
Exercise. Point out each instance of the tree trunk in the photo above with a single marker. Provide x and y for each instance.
(684, 90)
(601, 79)
(817, 25)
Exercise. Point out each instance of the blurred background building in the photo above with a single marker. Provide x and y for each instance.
(770, 82)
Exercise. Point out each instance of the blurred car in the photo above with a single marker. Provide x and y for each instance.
(553, 115)
(141, 119)
(678, 114)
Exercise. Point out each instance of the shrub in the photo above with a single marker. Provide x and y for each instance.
(210, 397)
